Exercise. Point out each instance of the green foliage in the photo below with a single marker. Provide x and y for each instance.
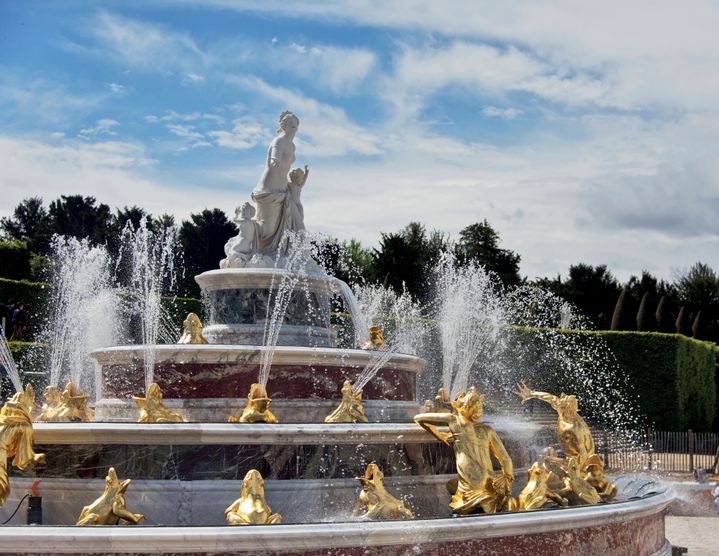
(80, 217)
(646, 321)
(203, 241)
(479, 243)
(33, 294)
(699, 327)
(178, 308)
(682, 323)
(619, 317)
(663, 316)
(14, 260)
(673, 375)
(29, 222)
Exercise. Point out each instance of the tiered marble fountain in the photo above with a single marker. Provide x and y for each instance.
(185, 474)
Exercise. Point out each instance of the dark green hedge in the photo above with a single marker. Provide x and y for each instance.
(33, 294)
(14, 260)
(674, 377)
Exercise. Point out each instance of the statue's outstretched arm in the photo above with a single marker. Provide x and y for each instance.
(428, 421)
(524, 392)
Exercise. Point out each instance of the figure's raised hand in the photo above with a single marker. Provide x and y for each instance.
(524, 392)
(307, 173)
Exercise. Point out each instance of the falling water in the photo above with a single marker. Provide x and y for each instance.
(83, 311)
(291, 269)
(470, 317)
(149, 257)
(378, 359)
(399, 316)
(8, 362)
(359, 321)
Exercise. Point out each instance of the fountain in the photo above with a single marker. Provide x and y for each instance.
(269, 338)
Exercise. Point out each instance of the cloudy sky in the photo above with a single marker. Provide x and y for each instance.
(583, 131)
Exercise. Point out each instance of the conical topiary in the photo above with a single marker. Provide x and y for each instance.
(646, 321)
(665, 323)
(682, 322)
(621, 311)
(698, 327)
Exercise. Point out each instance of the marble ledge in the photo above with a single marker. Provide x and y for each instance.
(229, 434)
(243, 354)
(317, 536)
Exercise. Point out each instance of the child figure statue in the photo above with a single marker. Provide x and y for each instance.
(240, 248)
(479, 489)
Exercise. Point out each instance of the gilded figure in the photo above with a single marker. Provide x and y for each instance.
(52, 404)
(350, 409)
(16, 437)
(595, 476)
(257, 409)
(192, 330)
(109, 508)
(537, 494)
(153, 410)
(376, 339)
(375, 502)
(479, 489)
(577, 489)
(251, 508)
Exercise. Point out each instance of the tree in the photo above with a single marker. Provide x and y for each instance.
(80, 217)
(30, 223)
(479, 243)
(593, 290)
(699, 327)
(203, 240)
(406, 258)
(646, 321)
(698, 288)
(682, 322)
(663, 316)
(620, 318)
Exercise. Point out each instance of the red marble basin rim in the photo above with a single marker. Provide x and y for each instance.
(228, 354)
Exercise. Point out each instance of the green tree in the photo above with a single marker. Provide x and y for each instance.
(682, 323)
(665, 322)
(593, 290)
(81, 217)
(479, 243)
(203, 239)
(29, 222)
(620, 318)
(699, 327)
(14, 260)
(646, 321)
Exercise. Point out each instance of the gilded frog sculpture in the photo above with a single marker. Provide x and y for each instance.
(109, 508)
(251, 508)
(192, 330)
(152, 410)
(257, 409)
(350, 409)
(375, 502)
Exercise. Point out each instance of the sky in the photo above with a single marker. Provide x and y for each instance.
(582, 131)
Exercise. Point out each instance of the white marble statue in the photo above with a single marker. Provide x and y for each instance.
(240, 248)
(278, 200)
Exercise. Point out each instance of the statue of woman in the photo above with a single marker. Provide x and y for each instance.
(479, 489)
(274, 203)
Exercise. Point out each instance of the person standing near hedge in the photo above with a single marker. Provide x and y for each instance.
(18, 323)
(6, 314)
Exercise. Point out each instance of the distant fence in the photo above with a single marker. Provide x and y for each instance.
(659, 451)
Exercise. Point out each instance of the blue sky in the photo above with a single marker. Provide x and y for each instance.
(582, 131)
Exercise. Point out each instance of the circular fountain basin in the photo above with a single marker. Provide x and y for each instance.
(630, 528)
(238, 299)
(208, 383)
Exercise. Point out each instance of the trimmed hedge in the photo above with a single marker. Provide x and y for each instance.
(15, 257)
(674, 377)
(33, 294)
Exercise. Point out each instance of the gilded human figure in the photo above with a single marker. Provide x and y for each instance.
(573, 433)
(479, 489)
(277, 209)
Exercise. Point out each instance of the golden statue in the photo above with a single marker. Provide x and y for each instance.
(109, 508)
(376, 339)
(537, 494)
(152, 410)
(257, 409)
(575, 439)
(577, 489)
(595, 476)
(16, 437)
(52, 404)
(479, 488)
(70, 405)
(251, 508)
(350, 409)
(374, 500)
(192, 330)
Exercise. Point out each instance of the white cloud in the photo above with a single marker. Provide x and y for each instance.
(102, 127)
(184, 131)
(115, 87)
(172, 116)
(246, 133)
(193, 79)
(326, 131)
(504, 113)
